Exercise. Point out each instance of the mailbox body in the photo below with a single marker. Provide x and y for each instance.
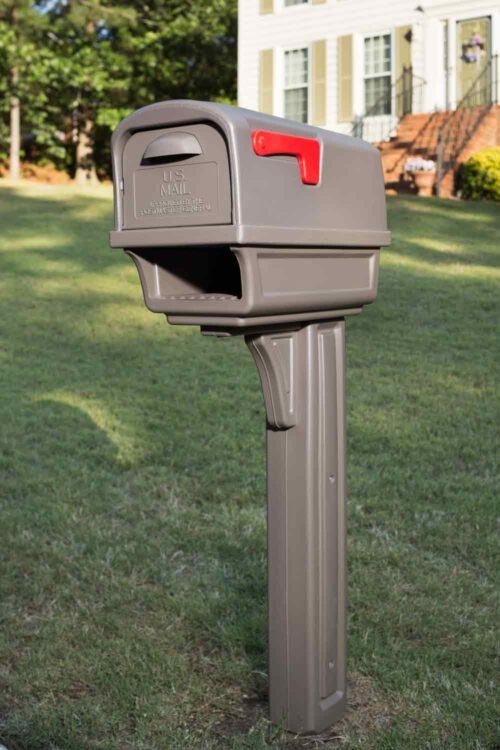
(225, 237)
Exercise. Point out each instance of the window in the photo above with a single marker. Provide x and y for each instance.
(296, 84)
(295, 2)
(378, 75)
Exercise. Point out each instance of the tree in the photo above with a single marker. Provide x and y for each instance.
(93, 73)
(21, 29)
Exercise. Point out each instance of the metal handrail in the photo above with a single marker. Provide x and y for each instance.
(404, 100)
(455, 131)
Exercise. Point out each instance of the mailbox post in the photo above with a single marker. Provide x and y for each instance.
(248, 224)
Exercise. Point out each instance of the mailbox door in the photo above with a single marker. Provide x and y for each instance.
(176, 177)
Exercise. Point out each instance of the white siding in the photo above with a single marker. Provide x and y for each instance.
(300, 25)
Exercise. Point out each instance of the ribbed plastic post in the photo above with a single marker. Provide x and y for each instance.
(303, 379)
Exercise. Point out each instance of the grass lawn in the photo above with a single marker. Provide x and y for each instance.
(132, 497)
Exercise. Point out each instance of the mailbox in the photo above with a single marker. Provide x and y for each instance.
(243, 223)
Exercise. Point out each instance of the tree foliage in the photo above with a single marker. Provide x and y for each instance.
(24, 65)
(85, 64)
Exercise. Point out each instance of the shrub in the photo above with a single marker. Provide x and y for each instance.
(479, 177)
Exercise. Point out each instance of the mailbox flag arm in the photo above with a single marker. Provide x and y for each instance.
(307, 151)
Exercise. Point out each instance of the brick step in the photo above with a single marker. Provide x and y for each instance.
(418, 117)
(407, 140)
(393, 170)
(393, 153)
(396, 168)
(398, 160)
(393, 156)
(417, 135)
(434, 123)
(406, 134)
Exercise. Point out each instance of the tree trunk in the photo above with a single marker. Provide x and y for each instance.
(15, 129)
(85, 169)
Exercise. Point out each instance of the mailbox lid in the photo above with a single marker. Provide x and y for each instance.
(176, 177)
(269, 202)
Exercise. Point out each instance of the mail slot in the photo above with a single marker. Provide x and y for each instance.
(243, 223)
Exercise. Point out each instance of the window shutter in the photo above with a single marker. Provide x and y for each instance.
(402, 65)
(318, 88)
(266, 6)
(344, 61)
(266, 75)
(402, 40)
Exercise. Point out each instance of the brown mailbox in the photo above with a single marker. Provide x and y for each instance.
(244, 223)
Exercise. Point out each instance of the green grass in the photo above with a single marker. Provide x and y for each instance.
(132, 491)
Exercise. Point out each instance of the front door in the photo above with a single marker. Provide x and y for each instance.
(473, 54)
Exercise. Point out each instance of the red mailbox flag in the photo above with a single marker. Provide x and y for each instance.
(307, 151)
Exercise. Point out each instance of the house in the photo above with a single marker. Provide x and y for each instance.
(390, 72)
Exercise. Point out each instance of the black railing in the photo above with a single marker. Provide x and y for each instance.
(403, 97)
(462, 123)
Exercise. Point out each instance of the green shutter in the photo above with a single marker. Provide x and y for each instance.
(403, 74)
(318, 88)
(402, 38)
(344, 61)
(266, 76)
(266, 6)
